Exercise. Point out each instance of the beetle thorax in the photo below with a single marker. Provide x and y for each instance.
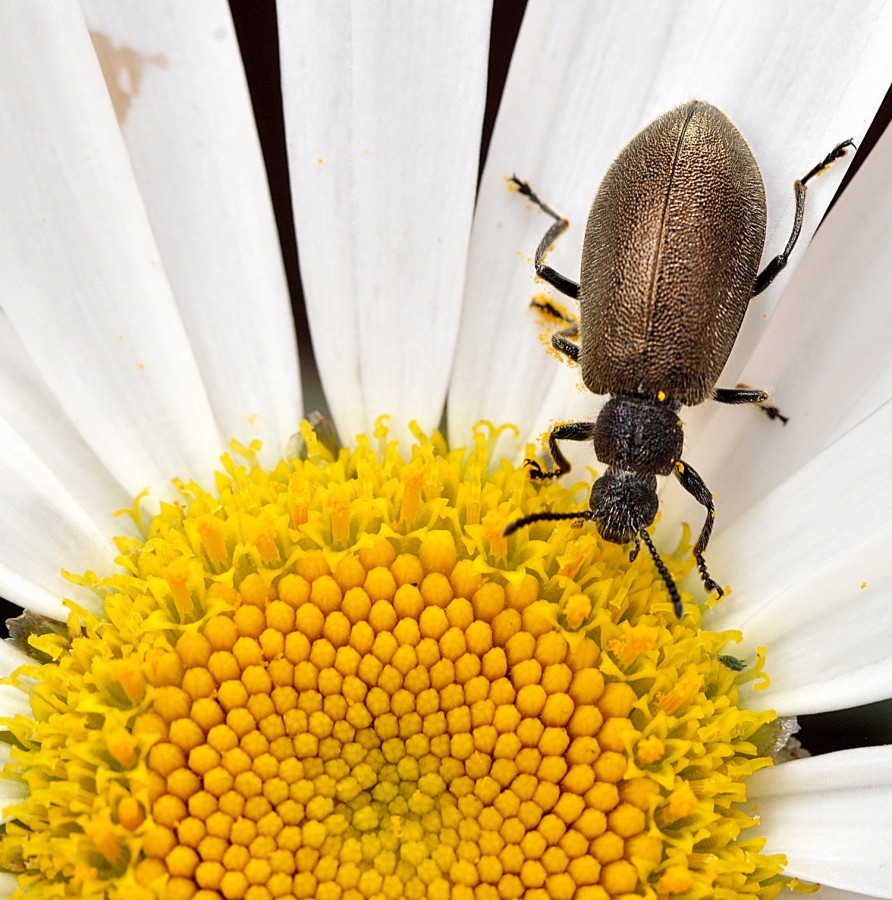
(639, 435)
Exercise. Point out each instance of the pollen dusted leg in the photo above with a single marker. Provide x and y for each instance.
(572, 431)
(742, 394)
(565, 285)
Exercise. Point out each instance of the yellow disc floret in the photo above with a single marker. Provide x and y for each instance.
(338, 680)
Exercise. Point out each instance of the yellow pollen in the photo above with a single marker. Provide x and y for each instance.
(650, 750)
(675, 880)
(685, 689)
(338, 680)
(210, 530)
(577, 609)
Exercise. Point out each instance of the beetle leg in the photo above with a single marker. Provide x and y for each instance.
(562, 340)
(572, 431)
(742, 394)
(550, 309)
(695, 486)
(546, 273)
(772, 270)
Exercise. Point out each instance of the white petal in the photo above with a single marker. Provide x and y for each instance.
(829, 637)
(825, 355)
(383, 106)
(8, 884)
(176, 78)
(14, 702)
(42, 529)
(795, 77)
(829, 893)
(11, 792)
(79, 273)
(11, 657)
(787, 559)
(30, 407)
(831, 816)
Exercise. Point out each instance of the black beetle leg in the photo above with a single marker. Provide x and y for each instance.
(743, 394)
(562, 340)
(550, 309)
(572, 431)
(772, 270)
(695, 486)
(546, 273)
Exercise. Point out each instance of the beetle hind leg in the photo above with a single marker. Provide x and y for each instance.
(773, 269)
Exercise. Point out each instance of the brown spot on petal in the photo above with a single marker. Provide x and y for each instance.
(123, 68)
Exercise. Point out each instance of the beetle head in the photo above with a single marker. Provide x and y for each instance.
(623, 504)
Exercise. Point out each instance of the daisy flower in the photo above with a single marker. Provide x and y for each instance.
(293, 669)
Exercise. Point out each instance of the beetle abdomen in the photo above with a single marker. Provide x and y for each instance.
(672, 249)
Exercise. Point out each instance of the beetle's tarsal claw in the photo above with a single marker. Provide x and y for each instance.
(706, 578)
(536, 472)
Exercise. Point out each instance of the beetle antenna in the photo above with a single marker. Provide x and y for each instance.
(546, 517)
(668, 580)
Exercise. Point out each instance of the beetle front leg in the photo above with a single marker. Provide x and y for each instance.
(773, 269)
(560, 282)
(572, 431)
(695, 486)
(742, 394)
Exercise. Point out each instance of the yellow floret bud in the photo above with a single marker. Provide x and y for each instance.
(649, 750)
(380, 584)
(436, 590)
(437, 552)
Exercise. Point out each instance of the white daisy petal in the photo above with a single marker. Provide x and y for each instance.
(11, 792)
(797, 561)
(182, 102)
(831, 816)
(825, 355)
(30, 407)
(383, 233)
(827, 636)
(79, 273)
(795, 77)
(829, 893)
(13, 702)
(41, 529)
(11, 657)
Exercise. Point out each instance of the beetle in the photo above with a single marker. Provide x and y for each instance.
(670, 261)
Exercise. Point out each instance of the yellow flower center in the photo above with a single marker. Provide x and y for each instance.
(338, 680)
